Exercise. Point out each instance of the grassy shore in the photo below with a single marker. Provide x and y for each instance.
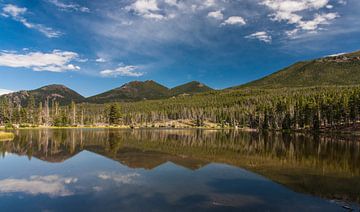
(5, 136)
(178, 124)
(353, 129)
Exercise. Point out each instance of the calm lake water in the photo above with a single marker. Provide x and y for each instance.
(178, 170)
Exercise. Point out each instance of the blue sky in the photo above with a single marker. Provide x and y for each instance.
(92, 46)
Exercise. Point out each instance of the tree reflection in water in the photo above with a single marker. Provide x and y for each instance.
(322, 165)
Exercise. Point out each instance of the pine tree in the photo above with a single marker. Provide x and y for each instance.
(114, 114)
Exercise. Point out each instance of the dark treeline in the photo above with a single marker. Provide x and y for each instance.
(286, 109)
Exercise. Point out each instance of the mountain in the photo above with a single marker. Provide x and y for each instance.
(343, 69)
(132, 91)
(59, 93)
(151, 90)
(129, 92)
(193, 87)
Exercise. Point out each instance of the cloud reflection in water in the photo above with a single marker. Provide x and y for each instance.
(51, 185)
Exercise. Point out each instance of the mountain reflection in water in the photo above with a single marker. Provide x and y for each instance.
(324, 166)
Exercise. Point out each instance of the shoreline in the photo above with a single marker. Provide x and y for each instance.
(128, 127)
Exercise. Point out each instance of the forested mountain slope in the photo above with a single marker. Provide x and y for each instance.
(328, 71)
(51, 93)
(132, 91)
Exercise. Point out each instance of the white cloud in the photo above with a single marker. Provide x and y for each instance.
(125, 71)
(234, 20)
(13, 10)
(262, 36)
(292, 33)
(292, 12)
(320, 19)
(147, 9)
(337, 54)
(52, 185)
(218, 15)
(82, 60)
(69, 7)
(344, 2)
(100, 60)
(202, 5)
(4, 91)
(56, 61)
(119, 178)
(16, 13)
(291, 6)
(209, 3)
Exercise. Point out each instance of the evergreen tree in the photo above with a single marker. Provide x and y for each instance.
(114, 114)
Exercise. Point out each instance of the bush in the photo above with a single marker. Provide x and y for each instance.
(9, 126)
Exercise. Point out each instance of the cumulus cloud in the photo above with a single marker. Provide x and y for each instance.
(119, 178)
(291, 11)
(55, 61)
(125, 71)
(168, 9)
(147, 9)
(69, 7)
(234, 20)
(4, 91)
(262, 36)
(218, 15)
(17, 14)
(52, 185)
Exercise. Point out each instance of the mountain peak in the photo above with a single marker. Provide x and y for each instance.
(132, 91)
(197, 83)
(59, 93)
(192, 87)
(54, 87)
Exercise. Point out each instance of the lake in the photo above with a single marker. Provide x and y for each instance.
(178, 170)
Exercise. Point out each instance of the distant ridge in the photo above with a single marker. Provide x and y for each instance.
(59, 93)
(129, 92)
(146, 90)
(342, 69)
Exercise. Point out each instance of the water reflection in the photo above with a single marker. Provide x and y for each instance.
(52, 185)
(325, 166)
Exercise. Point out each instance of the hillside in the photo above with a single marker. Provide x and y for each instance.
(193, 87)
(59, 93)
(332, 70)
(147, 90)
(132, 91)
